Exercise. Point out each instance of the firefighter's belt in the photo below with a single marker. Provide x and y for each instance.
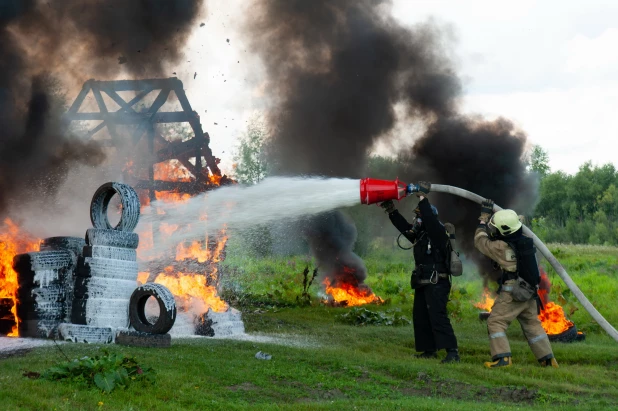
(508, 275)
(433, 280)
(430, 268)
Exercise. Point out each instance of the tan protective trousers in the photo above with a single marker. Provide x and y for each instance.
(504, 311)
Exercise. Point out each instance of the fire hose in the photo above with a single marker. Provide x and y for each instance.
(439, 188)
(368, 197)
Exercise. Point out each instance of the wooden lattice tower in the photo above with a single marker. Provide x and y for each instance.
(145, 120)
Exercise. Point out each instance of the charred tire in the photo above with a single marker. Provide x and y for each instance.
(73, 244)
(100, 312)
(31, 310)
(130, 207)
(107, 268)
(52, 293)
(26, 266)
(566, 336)
(111, 238)
(167, 309)
(39, 328)
(112, 253)
(5, 307)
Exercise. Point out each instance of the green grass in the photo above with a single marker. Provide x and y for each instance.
(330, 365)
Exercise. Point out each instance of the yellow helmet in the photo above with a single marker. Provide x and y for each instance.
(505, 221)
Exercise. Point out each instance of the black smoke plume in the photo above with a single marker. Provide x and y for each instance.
(42, 41)
(484, 157)
(331, 238)
(336, 71)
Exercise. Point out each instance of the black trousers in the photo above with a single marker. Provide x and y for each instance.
(432, 327)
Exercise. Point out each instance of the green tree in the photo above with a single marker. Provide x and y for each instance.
(250, 156)
(539, 161)
(608, 202)
(552, 203)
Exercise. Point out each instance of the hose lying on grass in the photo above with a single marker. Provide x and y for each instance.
(439, 188)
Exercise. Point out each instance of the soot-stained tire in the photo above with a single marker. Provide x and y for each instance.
(130, 207)
(32, 310)
(52, 293)
(51, 265)
(95, 287)
(566, 336)
(73, 244)
(111, 238)
(112, 253)
(100, 312)
(167, 309)
(107, 268)
(39, 328)
(78, 311)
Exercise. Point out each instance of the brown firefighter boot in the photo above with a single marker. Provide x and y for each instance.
(500, 362)
(548, 362)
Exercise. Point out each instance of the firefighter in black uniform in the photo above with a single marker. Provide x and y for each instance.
(430, 279)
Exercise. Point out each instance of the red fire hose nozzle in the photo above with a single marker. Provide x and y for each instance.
(376, 191)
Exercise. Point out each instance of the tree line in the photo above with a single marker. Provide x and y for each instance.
(581, 208)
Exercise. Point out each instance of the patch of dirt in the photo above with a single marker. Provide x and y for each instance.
(312, 394)
(245, 386)
(334, 394)
(426, 386)
(32, 375)
(14, 353)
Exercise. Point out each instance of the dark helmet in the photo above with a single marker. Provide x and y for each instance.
(433, 209)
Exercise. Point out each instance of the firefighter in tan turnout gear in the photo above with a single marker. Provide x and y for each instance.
(499, 237)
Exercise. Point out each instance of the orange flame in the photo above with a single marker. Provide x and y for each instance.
(487, 302)
(12, 242)
(142, 277)
(552, 316)
(172, 196)
(350, 295)
(191, 290)
(553, 319)
(215, 179)
(129, 167)
(172, 170)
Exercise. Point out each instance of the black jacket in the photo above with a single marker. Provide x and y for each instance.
(431, 232)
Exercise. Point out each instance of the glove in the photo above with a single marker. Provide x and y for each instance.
(388, 206)
(423, 189)
(487, 209)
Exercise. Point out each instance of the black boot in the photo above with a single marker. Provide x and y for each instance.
(427, 354)
(452, 355)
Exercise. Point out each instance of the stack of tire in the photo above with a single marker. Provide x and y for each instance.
(106, 273)
(41, 291)
(75, 246)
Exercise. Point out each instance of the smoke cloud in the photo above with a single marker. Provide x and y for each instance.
(337, 70)
(45, 46)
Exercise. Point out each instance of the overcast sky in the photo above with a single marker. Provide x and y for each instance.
(550, 66)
